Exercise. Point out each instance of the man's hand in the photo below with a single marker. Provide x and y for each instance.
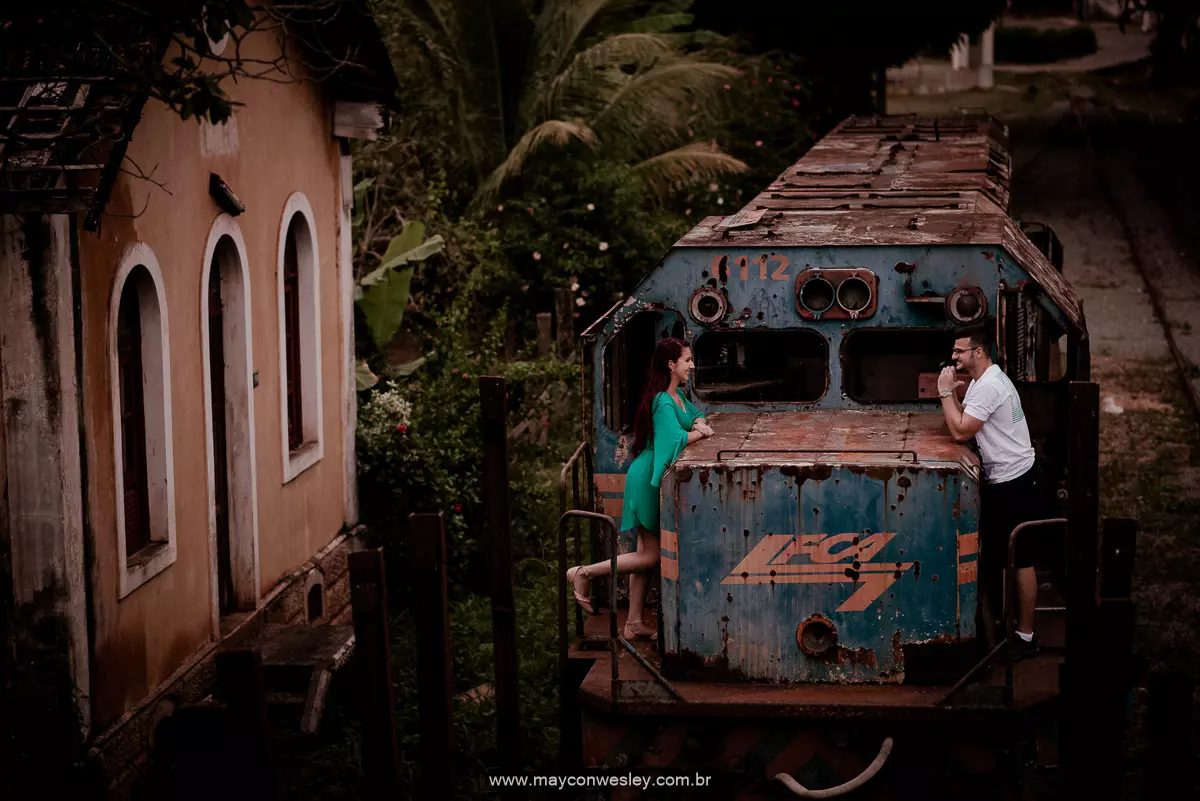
(948, 380)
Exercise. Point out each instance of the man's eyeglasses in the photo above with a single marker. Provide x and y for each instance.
(956, 351)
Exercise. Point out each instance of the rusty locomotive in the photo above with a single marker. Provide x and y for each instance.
(821, 609)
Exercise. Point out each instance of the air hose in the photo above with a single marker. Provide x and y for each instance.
(832, 792)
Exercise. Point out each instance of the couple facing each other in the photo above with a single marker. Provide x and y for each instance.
(666, 422)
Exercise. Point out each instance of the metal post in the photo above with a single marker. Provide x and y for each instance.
(1080, 718)
(564, 310)
(1167, 767)
(240, 686)
(1118, 544)
(494, 411)
(373, 658)
(427, 533)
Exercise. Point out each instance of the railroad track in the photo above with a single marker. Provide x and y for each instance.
(1183, 366)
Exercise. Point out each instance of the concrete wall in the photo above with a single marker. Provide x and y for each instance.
(278, 143)
(41, 515)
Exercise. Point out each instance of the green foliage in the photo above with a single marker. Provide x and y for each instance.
(383, 293)
(1041, 46)
(513, 85)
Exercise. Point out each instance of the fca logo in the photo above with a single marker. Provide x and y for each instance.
(822, 559)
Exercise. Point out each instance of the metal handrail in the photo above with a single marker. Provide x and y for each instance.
(572, 467)
(812, 450)
(604, 520)
(1009, 623)
(614, 637)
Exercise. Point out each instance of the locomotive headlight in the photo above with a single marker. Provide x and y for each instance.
(708, 305)
(854, 295)
(816, 294)
(966, 304)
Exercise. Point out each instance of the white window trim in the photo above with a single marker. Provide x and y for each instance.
(161, 556)
(309, 264)
(243, 489)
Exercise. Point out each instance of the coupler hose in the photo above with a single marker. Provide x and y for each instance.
(832, 792)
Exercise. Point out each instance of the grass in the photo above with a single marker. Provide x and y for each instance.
(1150, 471)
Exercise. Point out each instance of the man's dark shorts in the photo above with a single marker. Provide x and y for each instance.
(1003, 507)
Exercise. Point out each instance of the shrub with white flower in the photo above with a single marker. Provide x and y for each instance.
(385, 414)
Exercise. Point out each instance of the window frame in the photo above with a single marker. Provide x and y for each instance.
(312, 447)
(139, 567)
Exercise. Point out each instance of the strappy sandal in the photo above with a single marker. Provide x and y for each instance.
(642, 635)
(584, 601)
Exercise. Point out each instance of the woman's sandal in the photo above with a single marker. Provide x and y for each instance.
(645, 634)
(584, 601)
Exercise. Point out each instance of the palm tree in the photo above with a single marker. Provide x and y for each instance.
(613, 75)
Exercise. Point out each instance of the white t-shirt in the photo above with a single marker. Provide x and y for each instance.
(1004, 438)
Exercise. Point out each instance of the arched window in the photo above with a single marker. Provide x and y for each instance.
(299, 339)
(142, 449)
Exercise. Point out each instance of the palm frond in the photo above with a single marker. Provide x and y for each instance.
(552, 132)
(594, 73)
(652, 108)
(661, 23)
(695, 162)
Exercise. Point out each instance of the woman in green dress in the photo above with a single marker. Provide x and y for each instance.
(665, 424)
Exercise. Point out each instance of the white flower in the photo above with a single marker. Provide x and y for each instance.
(500, 207)
(687, 212)
(575, 286)
(720, 201)
(604, 246)
(591, 207)
(537, 256)
(713, 187)
(580, 301)
(566, 245)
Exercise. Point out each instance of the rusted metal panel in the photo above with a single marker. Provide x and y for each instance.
(771, 535)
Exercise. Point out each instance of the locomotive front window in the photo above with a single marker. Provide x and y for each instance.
(894, 365)
(789, 366)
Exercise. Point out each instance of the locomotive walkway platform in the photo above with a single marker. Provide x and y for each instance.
(1035, 686)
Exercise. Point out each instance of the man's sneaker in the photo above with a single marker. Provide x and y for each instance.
(1015, 649)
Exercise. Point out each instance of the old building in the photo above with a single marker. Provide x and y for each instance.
(176, 359)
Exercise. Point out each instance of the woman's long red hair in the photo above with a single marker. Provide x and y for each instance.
(658, 378)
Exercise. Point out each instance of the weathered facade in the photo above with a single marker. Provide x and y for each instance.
(179, 392)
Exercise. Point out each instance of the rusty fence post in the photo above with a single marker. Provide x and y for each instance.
(564, 310)
(545, 333)
(240, 686)
(494, 412)
(373, 658)
(427, 533)
(1080, 723)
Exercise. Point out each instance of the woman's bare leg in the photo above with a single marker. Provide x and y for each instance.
(639, 582)
(636, 564)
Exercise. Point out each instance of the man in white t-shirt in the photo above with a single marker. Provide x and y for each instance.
(1012, 492)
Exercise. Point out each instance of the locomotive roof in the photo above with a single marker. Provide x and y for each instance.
(899, 180)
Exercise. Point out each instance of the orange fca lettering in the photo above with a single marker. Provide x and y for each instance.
(821, 559)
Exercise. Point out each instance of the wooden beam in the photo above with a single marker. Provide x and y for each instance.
(357, 120)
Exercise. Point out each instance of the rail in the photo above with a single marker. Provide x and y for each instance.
(1009, 621)
(582, 455)
(827, 450)
(614, 637)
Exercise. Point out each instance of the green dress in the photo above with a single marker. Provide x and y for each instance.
(671, 427)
